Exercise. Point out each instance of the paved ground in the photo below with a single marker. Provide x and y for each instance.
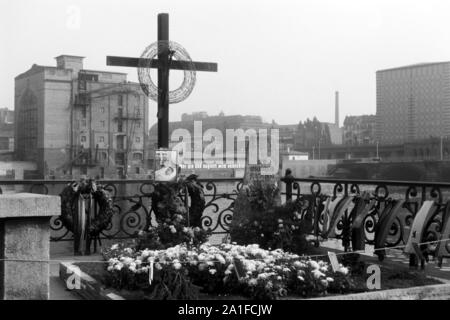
(58, 290)
(396, 258)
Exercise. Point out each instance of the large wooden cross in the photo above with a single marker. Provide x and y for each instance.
(163, 64)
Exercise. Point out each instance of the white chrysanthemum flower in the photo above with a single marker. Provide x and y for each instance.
(262, 276)
(313, 264)
(252, 282)
(145, 253)
(127, 260)
(343, 270)
(177, 266)
(212, 271)
(115, 247)
(324, 268)
(317, 274)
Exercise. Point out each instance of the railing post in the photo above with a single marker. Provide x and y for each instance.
(288, 179)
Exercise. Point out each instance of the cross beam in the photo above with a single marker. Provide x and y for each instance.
(163, 64)
(155, 63)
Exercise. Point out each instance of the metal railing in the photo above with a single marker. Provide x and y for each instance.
(132, 204)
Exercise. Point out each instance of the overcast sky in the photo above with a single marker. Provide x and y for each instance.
(282, 60)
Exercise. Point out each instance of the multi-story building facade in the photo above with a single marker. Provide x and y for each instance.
(360, 130)
(413, 102)
(72, 121)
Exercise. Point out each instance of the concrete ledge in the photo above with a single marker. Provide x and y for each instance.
(25, 245)
(19, 205)
(90, 289)
(433, 292)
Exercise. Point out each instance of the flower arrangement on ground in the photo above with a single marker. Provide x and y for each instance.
(259, 219)
(180, 272)
(176, 222)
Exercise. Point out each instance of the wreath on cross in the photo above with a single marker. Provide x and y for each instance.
(69, 205)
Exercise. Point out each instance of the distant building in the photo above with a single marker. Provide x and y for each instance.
(6, 116)
(72, 121)
(287, 136)
(6, 130)
(360, 130)
(311, 133)
(194, 116)
(220, 122)
(335, 133)
(413, 102)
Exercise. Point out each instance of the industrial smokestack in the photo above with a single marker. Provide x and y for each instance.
(336, 109)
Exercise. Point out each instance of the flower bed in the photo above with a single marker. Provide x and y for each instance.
(212, 272)
(180, 273)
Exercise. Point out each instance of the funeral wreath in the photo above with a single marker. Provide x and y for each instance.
(82, 190)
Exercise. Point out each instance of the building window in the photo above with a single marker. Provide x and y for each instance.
(137, 156)
(83, 123)
(102, 123)
(138, 111)
(138, 139)
(120, 142)
(138, 170)
(138, 124)
(101, 139)
(120, 159)
(120, 100)
(83, 111)
(103, 155)
(83, 138)
(119, 126)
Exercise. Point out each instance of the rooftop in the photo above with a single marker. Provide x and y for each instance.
(416, 65)
(38, 68)
(69, 56)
